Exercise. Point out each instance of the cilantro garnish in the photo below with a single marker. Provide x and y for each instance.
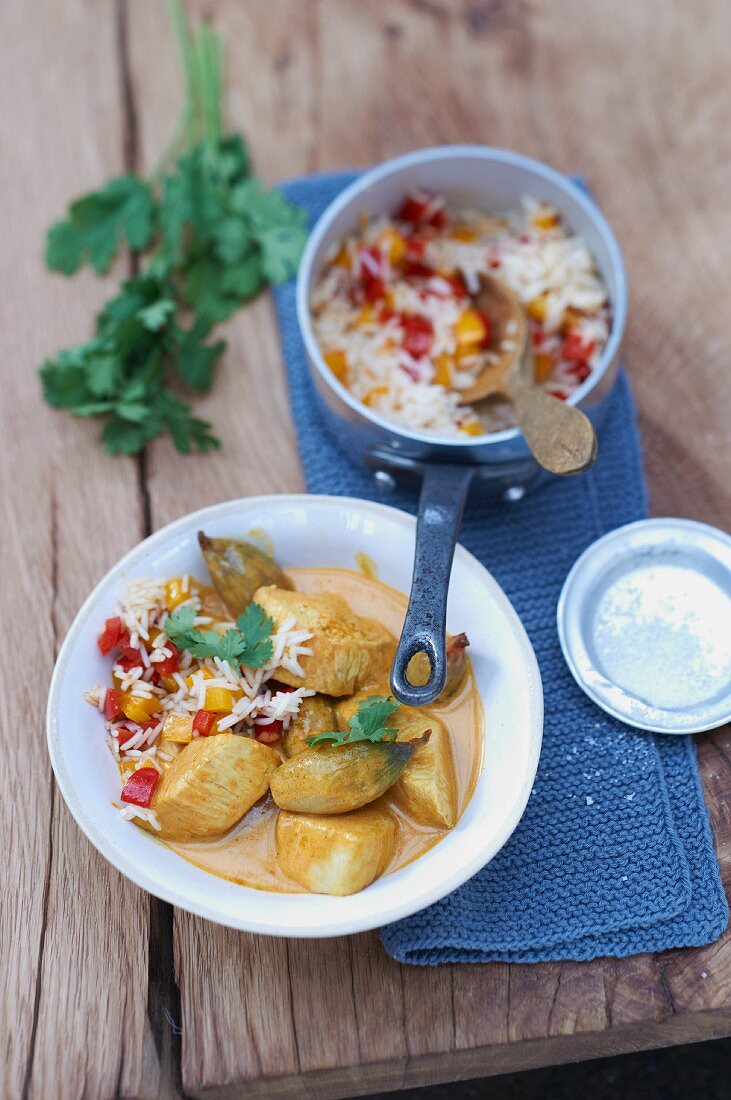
(249, 644)
(367, 724)
(209, 237)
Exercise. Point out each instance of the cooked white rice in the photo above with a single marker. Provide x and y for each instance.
(528, 248)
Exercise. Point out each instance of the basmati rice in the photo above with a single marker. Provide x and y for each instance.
(414, 271)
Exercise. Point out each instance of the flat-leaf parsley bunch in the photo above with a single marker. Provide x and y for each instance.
(211, 236)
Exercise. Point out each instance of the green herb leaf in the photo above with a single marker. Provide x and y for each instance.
(250, 644)
(97, 223)
(256, 627)
(197, 360)
(367, 724)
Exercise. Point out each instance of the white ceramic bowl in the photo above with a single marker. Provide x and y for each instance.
(306, 531)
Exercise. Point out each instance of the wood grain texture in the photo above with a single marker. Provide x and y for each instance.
(79, 931)
(99, 977)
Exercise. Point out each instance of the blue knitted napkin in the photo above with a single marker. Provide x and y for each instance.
(614, 854)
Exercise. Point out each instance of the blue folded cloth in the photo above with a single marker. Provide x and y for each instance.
(614, 854)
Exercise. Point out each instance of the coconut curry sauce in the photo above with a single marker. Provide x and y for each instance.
(247, 854)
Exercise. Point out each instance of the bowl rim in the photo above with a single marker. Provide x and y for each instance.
(490, 154)
(172, 892)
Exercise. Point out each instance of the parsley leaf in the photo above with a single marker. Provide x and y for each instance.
(97, 223)
(256, 627)
(211, 236)
(249, 644)
(367, 724)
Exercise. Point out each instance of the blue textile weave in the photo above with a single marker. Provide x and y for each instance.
(614, 854)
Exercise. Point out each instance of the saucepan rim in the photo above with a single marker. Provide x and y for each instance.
(352, 196)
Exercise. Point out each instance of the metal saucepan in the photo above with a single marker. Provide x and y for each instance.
(493, 180)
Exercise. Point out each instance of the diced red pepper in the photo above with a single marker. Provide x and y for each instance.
(110, 635)
(124, 735)
(415, 245)
(580, 371)
(371, 271)
(171, 663)
(124, 647)
(127, 663)
(574, 347)
(149, 724)
(203, 722)
(270, 733)
(385, 314)
(417, 269)
(560, 394)
(418, 334)
(140, 787)
(277, 685)
(458, 284)
(536, 334)
(112, 709)
(416, 208)
(373, 290)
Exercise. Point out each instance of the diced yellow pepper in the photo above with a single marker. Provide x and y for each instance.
(545, 218)
(202, 672)
(443, 371)
(341, 259)
(219, 700)
(393, 244)
(175, 593)
(169, 683)
(570, 319)
(177, 728)
(372, 395)
(366, 315)
(337, 361)
(469, 330)
(542, 366)
(472, 427)
(536, 308)
(463, 233)
(138, 709)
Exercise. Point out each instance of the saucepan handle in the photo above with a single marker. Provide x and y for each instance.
(443, 494)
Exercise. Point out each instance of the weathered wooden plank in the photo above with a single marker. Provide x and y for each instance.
(74, 993)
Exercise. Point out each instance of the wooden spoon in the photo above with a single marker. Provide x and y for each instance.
(560, 437)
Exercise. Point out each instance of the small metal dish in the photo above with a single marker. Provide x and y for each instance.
(644, 622)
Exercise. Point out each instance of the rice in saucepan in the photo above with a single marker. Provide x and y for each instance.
(393, 315)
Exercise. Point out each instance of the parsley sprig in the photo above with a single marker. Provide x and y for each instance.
(367, 724)
(249, 644)
(209, 237)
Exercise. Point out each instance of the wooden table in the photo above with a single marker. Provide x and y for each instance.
(107, 991)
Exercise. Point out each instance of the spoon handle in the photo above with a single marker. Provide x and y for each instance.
(443, 494)
(561, 437)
